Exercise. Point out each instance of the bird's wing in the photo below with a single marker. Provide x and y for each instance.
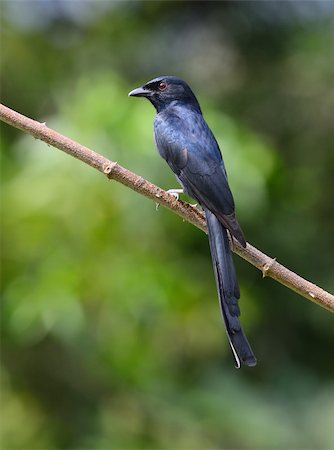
(206, 179)
(192, 152)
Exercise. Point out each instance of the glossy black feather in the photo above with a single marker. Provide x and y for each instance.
(228, 290)
(189, 147)
(186, 142)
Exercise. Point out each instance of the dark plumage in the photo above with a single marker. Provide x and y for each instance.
(188, 145)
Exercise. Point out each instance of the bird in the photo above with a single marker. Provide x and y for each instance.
(187, 144)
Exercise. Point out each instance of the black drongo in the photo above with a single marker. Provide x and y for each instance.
(188, 145)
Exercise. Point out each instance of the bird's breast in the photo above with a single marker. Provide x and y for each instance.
(171, 142)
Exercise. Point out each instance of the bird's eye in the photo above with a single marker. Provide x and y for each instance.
(162, 86)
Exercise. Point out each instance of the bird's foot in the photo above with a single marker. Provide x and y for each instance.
(175, 192)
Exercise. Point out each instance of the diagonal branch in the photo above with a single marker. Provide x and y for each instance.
(269, 266)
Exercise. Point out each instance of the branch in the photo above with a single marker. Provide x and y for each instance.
(269, 267)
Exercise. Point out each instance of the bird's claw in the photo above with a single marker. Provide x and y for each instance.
(175, 192)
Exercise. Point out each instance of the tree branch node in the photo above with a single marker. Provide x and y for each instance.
(267, 266)
(109, 167)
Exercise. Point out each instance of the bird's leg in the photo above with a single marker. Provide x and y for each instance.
(175, 192)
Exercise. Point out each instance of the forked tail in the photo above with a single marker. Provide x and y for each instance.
(228, 290)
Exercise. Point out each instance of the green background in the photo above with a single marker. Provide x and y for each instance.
(111, 330)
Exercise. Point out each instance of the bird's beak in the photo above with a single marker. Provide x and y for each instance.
(139, 92)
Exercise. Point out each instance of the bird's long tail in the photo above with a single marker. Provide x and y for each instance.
(228, 290)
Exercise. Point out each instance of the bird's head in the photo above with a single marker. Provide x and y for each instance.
(163, 91)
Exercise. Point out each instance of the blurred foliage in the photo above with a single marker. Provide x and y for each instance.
(111, 331)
